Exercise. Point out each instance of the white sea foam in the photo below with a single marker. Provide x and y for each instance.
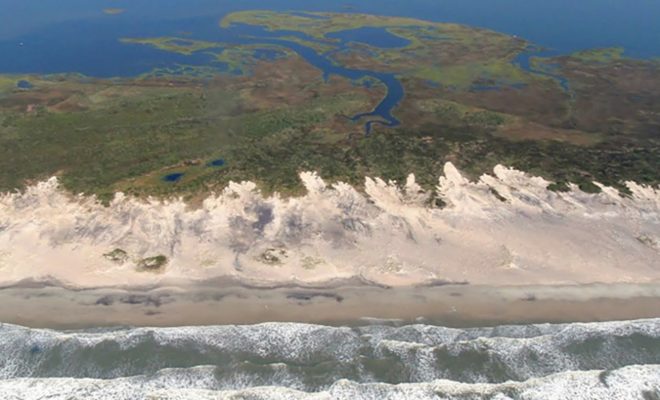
(388, 235)
(623, 384)
(285, 354)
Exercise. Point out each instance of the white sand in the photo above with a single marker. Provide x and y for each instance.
(388, 236)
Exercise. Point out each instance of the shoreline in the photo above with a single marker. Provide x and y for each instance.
(448, 305)
(503, 250)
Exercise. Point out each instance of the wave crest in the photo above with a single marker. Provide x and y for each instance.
(626, 383)
(313, 357)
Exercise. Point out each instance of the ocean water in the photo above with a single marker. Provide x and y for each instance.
(617, 360)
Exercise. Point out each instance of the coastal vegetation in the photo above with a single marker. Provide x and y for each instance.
(448, 54)
(153, 264)
(314, 24)
(175, 44)
(602, 56)
(267, 114)
(466, 76)
(130, 142)
(117, 256)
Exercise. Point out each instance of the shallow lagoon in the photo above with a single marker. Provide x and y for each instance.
(76, 36)
(563, 24)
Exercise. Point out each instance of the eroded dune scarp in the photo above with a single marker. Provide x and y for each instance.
(507, 228)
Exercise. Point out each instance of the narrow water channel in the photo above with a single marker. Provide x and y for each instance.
(381, 114)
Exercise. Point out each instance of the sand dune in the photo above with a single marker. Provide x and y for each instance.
(506, 229)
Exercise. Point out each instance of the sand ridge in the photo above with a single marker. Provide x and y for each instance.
(504, 229)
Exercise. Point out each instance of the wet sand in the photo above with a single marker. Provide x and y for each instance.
(447, 305)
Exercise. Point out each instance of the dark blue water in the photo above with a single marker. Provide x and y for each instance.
(23, 84)
(59, 36)
(523, 60)
(565, 25)
(217, 163)
(395, 93)
(382, 113)
(91, 48)
(175, 177)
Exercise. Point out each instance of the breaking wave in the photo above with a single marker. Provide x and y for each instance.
(291, 361)
(634, 382)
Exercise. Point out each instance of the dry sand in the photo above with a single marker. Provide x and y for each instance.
(522, 253)
(524, 235)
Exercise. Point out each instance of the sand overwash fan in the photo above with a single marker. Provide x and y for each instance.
(505, 228)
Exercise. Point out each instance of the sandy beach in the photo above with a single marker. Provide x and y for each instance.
(450, 305)
(503, 249)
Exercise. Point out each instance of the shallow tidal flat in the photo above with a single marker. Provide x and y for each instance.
(227, 302)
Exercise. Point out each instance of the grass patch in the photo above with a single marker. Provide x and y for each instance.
(174, 44)
(599, 56)
(313, 26)
(152, 264)
(130, 142)
(464, 76)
